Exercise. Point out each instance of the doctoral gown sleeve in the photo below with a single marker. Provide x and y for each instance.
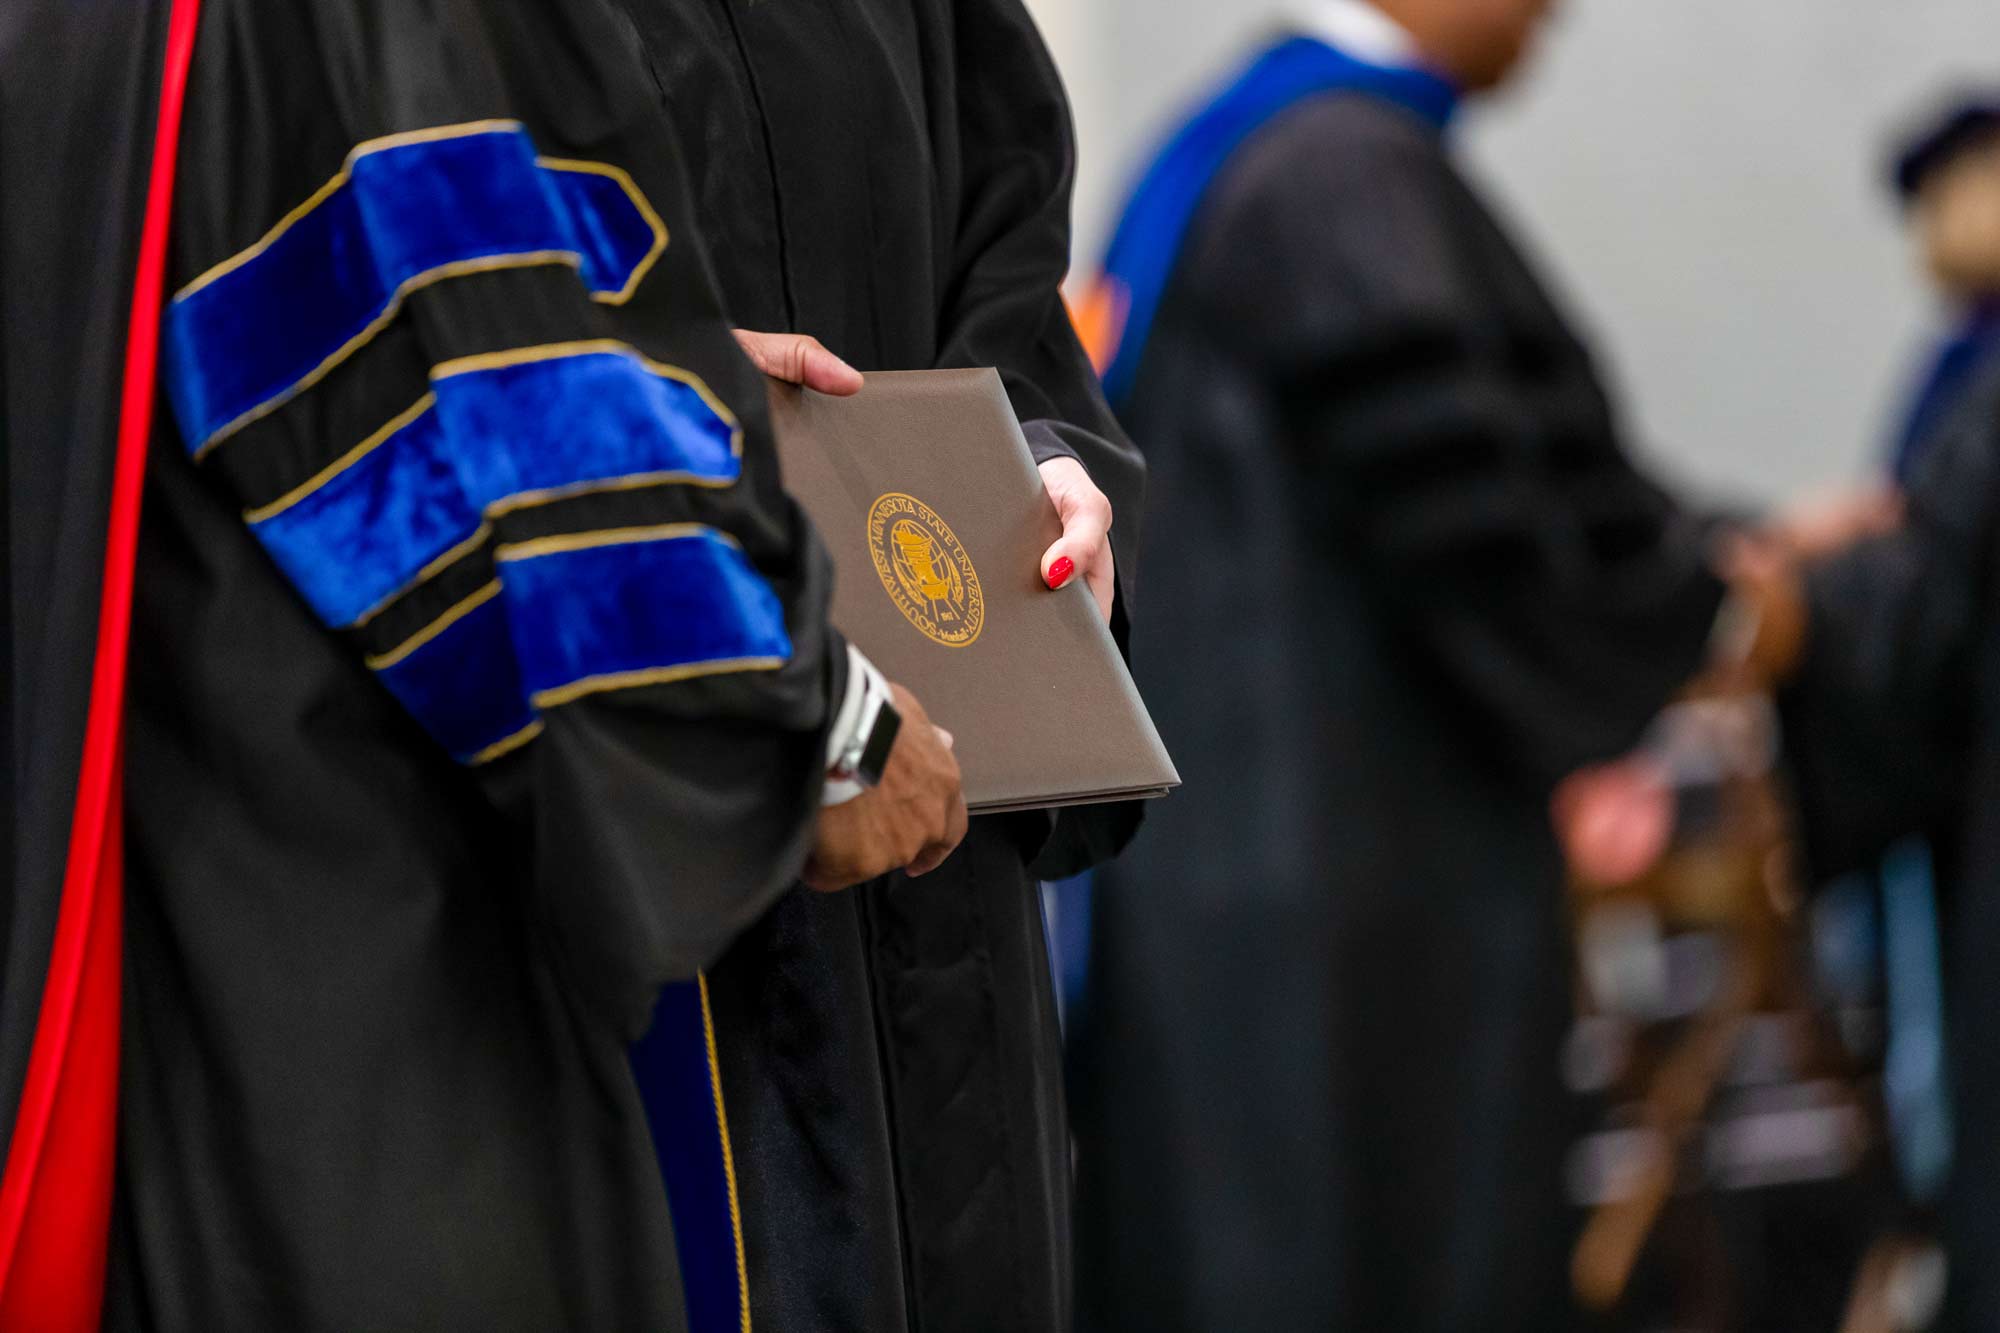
(1003, 307)
(1878, 718)
(1465, 454)
(444, 332)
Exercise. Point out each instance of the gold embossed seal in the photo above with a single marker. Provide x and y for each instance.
(925, 570)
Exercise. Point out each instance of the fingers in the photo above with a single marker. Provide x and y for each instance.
(799, 358)
(911, 821)
(957, 821)
(917, 849)
(1086, 537)
(1085, 543)
(1085, 546)
(946, 820)
(1104, 583)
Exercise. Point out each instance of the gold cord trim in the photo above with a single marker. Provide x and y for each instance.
(639, 201)
(340, 178)
(587, 541)
(520, 356)
(459, 268)
(632, 481)
(501, 748)
(728, 1155)
(344, 462)
(533, 499)
(384, 661)
(424, 575)
(631, 680)
(456, 269)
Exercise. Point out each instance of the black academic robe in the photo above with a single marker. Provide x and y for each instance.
(1893, 730)
(893, 177)
(1402, 577)
(413, 860)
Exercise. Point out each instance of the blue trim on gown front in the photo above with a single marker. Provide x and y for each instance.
(1954, 366)
(683, 1108)
(1148, 240)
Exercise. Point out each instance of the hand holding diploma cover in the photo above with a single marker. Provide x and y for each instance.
(924, 491)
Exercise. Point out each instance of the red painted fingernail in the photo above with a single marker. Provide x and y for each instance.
(1060, 571)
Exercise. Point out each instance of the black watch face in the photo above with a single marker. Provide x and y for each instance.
(875, 755)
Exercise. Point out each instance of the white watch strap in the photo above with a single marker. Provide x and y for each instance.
(859, 704)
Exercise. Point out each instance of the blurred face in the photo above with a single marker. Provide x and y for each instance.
(1480, 43)
(1958, 221)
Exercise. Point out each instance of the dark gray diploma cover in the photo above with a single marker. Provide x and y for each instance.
(923, 489)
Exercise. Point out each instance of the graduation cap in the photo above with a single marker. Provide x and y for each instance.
(1968, 119)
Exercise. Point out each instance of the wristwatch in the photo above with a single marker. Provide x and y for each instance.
(867, 753)
(864, 732)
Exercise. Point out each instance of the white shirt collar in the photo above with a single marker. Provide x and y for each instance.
(1359, 29)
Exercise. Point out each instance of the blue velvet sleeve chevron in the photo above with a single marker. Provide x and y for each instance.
(403, 212)
(582, 614)
(566, 616)
(636, 606)
(459, 680)
(494, 432)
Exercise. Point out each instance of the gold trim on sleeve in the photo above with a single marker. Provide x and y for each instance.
(631, 481)
(340, 178)
(456, 269)
(383, 661)
(507, 745)
(344, 462)
(587, 541)
(632, 680)
(424, 575)
(520, 356)
(624, 180)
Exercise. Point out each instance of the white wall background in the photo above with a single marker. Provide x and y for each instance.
(1701, 177)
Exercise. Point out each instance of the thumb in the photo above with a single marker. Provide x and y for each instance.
(1077, 550)
(799, 358)
(1061, 562)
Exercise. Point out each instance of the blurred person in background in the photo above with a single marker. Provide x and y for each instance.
(1948, 177)
(1891, 697)
(1412, 580)
(1891, 733)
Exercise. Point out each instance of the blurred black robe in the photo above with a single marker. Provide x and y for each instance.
(893, 177)
(1893, 730)
(1402, 577)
